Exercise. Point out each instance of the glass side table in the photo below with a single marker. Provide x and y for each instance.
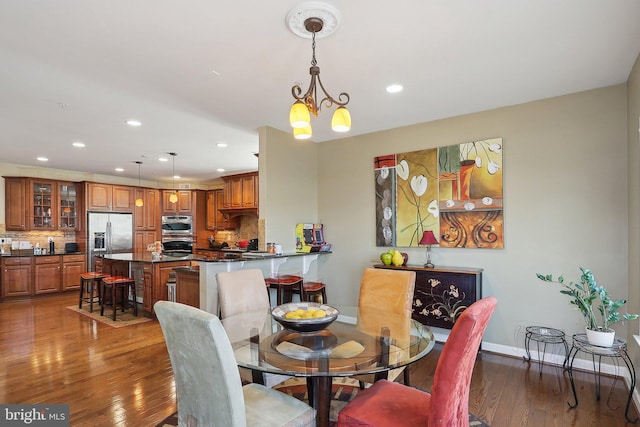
(617, 350)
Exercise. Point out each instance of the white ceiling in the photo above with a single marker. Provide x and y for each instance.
(201, 72)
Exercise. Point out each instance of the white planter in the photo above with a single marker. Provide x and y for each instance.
(601, 338)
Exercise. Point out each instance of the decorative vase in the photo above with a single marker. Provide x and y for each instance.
(601, 338)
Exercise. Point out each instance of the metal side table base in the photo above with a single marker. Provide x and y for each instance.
(617, 350)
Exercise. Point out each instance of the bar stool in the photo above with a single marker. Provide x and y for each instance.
(90, 284)
(286, 285)
(123, 284)
(312, 290)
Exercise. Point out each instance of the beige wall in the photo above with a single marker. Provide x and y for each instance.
(633, 161)
(565, 186)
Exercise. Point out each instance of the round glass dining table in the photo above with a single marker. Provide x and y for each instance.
(359, 342)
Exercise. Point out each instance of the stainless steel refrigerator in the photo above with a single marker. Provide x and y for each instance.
(108, 233)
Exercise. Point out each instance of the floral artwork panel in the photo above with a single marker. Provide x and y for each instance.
(417, 196)
(385, 176)
(456, 191)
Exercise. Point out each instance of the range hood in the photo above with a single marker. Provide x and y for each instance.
(231, 212)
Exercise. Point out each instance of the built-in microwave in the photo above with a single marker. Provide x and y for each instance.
(181, 225)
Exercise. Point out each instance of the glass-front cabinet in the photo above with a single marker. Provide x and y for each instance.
(68, 206)
(43, 205)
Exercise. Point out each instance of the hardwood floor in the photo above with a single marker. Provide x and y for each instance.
(123, 377)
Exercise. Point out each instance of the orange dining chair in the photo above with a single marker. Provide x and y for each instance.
(385, 300)
(391, 404)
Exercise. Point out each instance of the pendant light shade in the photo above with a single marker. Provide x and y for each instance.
(173, 198)
(341, 120)
(299, 116)
(302, 133)
(139, 201)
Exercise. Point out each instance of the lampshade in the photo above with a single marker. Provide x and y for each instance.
(139, 201)
(428, 238)
(299, 116)
(173, 198)
(302, 133)
(341, 120)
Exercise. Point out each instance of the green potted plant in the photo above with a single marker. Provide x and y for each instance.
(590, 298)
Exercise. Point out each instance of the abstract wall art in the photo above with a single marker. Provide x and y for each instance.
(454, 191)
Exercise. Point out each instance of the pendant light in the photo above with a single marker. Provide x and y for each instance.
(173, 198)
(139, 202)
(311, 101)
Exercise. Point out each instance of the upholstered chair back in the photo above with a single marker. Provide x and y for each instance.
(452, 380)
(208, 386)
(241, 291)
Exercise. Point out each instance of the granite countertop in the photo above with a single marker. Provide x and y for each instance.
(29, 253)
(247, 256)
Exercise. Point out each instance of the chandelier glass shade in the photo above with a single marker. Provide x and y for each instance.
(139, 202)
(302, 133)
(311, 101)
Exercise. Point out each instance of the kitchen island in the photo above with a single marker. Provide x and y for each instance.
(152, 274)
(306, 265)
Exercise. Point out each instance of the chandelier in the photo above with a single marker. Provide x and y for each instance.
(309, 102)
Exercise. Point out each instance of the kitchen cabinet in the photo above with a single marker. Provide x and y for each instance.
(15, 202)
(46, 274)
(241, 190)
(33, 204)
(216, 219)
(68, 206)
(184, 205)
(188, 286)
(143, 238)
(43, 207)
(72, 267)
(442, 294)
(146, 217)
(16, 280)
(109, 198)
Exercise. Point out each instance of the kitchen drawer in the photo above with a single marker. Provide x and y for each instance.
(73, 258)
(47, 259)
(16, 260)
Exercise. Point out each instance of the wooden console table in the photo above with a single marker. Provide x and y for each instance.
(442, 294)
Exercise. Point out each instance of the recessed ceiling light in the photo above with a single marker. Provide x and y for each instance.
(78, 144)
(221, 144)
(42, 159)
(176, 176)
(163, 159)
(119, 170)
(134, 123)
(217, 73)
(394, 88)
(220, 170)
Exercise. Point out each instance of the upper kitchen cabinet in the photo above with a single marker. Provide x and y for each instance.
(146, 217)
(15, 203)
(184, 205)
(42, 199)
(68, 206)
(31, 204)
(241, 194)
(217, 220)
(108, 197)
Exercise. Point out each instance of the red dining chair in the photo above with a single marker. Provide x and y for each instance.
(391, 404)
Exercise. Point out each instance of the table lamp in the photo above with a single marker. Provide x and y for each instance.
(428, 239)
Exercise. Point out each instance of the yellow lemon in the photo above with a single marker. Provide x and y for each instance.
(289, 315)
(319, 313)
(299, 311)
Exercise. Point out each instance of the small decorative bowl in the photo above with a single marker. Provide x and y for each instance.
(304, 325)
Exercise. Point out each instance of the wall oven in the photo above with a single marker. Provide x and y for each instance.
(177, 244)
(181, 225)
